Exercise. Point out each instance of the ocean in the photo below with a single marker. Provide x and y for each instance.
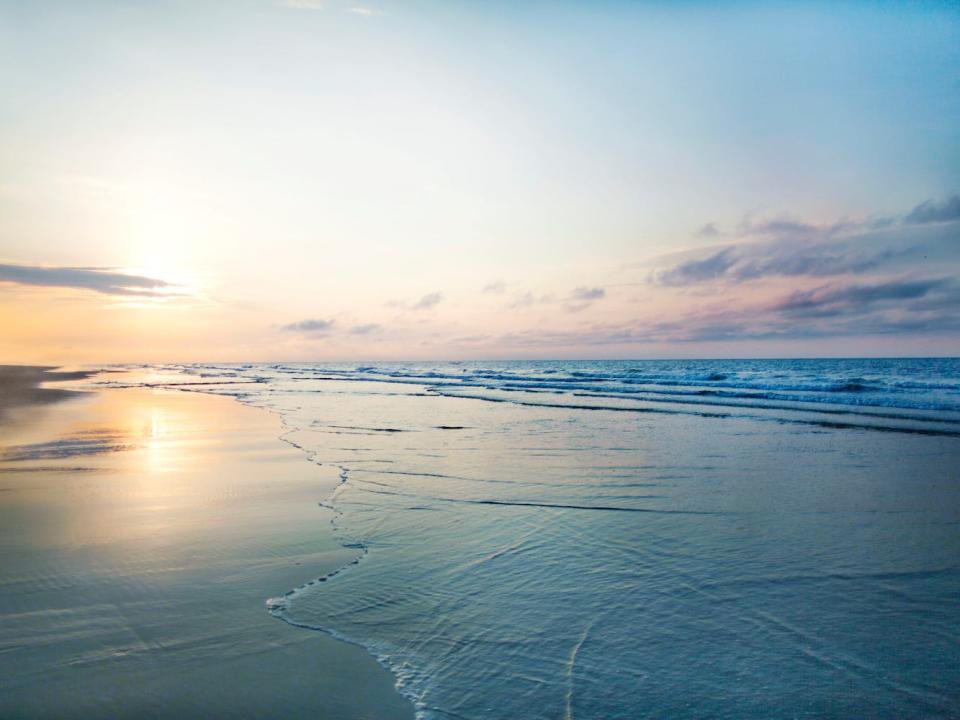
(633, 539)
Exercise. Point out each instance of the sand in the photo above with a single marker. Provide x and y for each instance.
(22, 391)
(141, 532)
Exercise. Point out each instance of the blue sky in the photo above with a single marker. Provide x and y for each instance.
(289, 172)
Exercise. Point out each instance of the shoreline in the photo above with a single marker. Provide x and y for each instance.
(141, 532)
(23, 391)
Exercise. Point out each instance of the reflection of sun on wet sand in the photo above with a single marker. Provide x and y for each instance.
(140, 534)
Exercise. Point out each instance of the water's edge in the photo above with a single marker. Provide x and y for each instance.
(277, 606)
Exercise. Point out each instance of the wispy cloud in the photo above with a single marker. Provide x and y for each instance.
(528, 299)
(697, 270)
(302, 4)
(932, 211)
(576, 300)
(583, 297)
(495, 288)
(785, 227)
(101, 280)
(708, 230)
(738, 264)
(794, 248)
(311, 325)
(587, 293)
(898, 306)
(428, 301)
(833, 300)
(888, 306)
(319, 327)
(851, 278)
(365, 11)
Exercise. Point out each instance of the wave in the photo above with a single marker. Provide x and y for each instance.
(949, 431)
(916, 384)
(912, 396)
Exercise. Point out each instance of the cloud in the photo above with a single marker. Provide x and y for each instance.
(933, 212)
(784, 227)
(587, 293)
(696, 271)
(890, 306)
(831, 300)
(311, 325)
(898, 307)
(323, 328)
(495, 288)
(528, 299)
(811, 261)
(102, 280)
(583, 297)
(907, 306)
(428, 301)
(365, 11)
(708, 230)
(301, 4)
(792, 248)
(753, 261)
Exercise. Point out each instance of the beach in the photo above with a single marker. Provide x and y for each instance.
(726, 539)
(141, 533)
(586, 360)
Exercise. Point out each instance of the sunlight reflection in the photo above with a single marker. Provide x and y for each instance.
(160, 455)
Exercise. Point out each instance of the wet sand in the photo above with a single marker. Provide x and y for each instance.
(22, 390)
(141, 533)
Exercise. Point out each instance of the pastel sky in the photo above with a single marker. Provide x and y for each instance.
(296, 179)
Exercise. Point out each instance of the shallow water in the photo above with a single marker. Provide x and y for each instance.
(726, 539)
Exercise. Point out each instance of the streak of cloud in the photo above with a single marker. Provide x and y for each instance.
(365, 11)
(101, 280)
(697, 270)
(302, 4)
(833, 300)
(587, 293)
(311, 325)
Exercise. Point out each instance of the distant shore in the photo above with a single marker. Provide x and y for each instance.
(21, 387)
(141, 532)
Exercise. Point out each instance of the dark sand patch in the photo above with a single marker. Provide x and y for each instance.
(21, 388)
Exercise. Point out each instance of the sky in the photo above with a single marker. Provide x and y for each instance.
(256, 180)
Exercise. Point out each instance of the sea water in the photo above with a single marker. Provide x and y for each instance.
(635, 539)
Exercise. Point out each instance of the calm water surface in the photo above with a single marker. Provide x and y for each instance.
(725, 539)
